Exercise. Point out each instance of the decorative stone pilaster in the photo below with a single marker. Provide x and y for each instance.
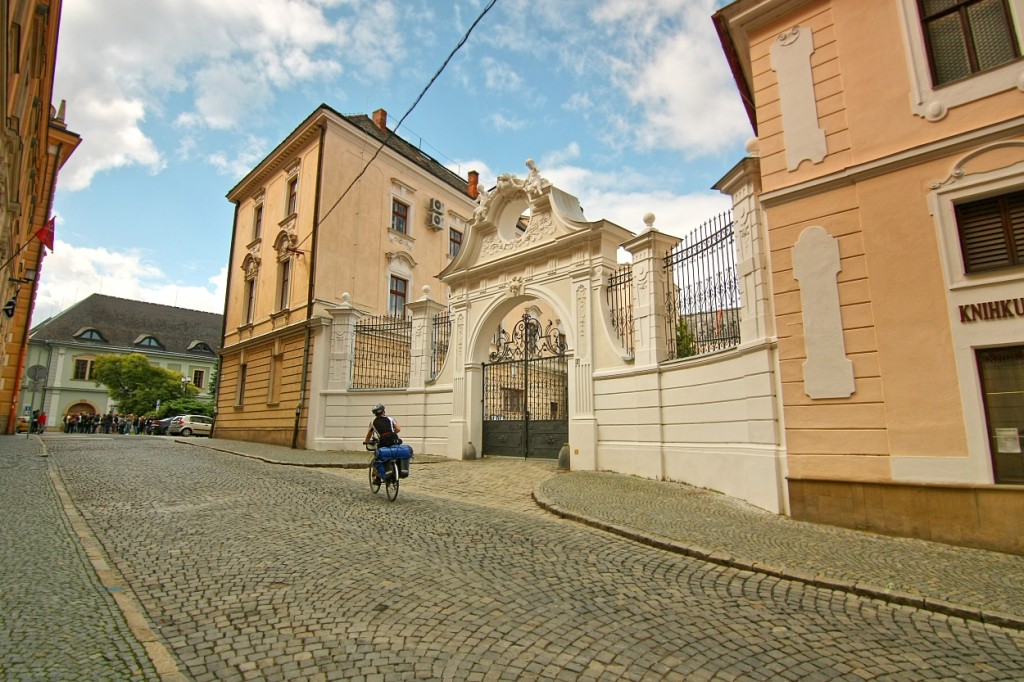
(743, 184)
(423, 312)
(342, 344)
(650, 293)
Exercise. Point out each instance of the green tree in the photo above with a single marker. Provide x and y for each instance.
(686, 344)
(178, 406)
(135, 385)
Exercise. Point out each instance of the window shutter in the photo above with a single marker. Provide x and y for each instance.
(992, 232)
(1015, 214)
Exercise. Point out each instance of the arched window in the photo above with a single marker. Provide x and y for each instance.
(89, 334)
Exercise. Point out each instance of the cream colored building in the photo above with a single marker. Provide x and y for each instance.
(310, 226)
(889, 167)
(64, 347)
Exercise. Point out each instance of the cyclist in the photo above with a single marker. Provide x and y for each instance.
(385, 428)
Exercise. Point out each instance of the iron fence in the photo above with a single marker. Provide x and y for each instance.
(442, 334)
(620, 304)
(703, 306)
(382, 354)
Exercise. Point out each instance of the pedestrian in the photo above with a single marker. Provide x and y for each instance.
(384, 428)
(41, 422)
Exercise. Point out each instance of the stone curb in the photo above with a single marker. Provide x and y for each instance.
(113, 582)
(862, 589)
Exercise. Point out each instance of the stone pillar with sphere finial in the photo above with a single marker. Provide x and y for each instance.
(650, 294)
(423, 312)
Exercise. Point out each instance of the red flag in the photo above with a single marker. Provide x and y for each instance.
(45, 234)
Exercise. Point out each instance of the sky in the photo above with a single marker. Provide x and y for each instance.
(627, 104)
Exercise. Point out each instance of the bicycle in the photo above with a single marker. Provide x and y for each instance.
(388, 466)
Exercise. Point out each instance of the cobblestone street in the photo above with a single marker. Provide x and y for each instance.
(248, 571)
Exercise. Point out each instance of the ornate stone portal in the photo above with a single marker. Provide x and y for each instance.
(529, 246)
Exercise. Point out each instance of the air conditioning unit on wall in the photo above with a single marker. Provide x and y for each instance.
(436, 206)
(435, 221)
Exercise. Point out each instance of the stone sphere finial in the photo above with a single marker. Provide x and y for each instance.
(649, 220)
(753, 146)
(345, 297)
(426, 292)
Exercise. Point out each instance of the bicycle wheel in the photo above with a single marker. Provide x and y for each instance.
(391, 483)
(374, 478)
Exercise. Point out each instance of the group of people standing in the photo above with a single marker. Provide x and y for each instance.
(110, 423)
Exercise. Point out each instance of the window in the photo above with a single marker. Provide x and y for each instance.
(198, 378)
(454, 242)
(149, 342)
(957, 32)
(250, 301)
(200, 347)
(1002, 381)
(292, 202)
(992, 232)
(511, 402)
(14, 48)
(83, 369)
(257, 221)
(89, 335)
(276, 379)
(240, 389)
(397, 296)
(964, 37)
(399, 216)
(284, 273)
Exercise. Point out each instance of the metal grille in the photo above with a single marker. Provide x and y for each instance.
(620, 303)
(382, 353)
(703, 306)
(442, 334)
(526, 392)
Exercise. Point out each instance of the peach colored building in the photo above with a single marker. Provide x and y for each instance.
(313, 230)
(34, 144)
(889, 158)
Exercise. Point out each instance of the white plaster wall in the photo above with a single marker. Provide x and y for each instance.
(422, 415)
(709, 422)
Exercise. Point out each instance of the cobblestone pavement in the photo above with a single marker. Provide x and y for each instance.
(248, 570)
(57, 620)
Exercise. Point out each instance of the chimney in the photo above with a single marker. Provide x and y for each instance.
(380, 118)
(474, 180)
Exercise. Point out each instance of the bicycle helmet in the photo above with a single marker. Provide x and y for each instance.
(378, 409)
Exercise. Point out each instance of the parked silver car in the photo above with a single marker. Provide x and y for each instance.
(189, 424)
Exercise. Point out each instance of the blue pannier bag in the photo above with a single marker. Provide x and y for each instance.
(403, 453)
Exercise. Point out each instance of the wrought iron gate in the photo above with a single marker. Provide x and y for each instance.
(526, 392)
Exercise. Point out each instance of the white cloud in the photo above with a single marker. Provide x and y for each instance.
(669, 64)
(624, 197)
(503, 124)
(500, 76)
(70, 274)
(120, 76)
(237, 165)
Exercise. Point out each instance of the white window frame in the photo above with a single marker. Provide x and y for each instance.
(408, 216)
(258, 218)
(934, 103)
(291, 177)
(960, 187)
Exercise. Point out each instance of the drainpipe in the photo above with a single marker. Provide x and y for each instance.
(224, 316)
(311, 288)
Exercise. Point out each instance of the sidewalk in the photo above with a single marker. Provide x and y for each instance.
(968, 583)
